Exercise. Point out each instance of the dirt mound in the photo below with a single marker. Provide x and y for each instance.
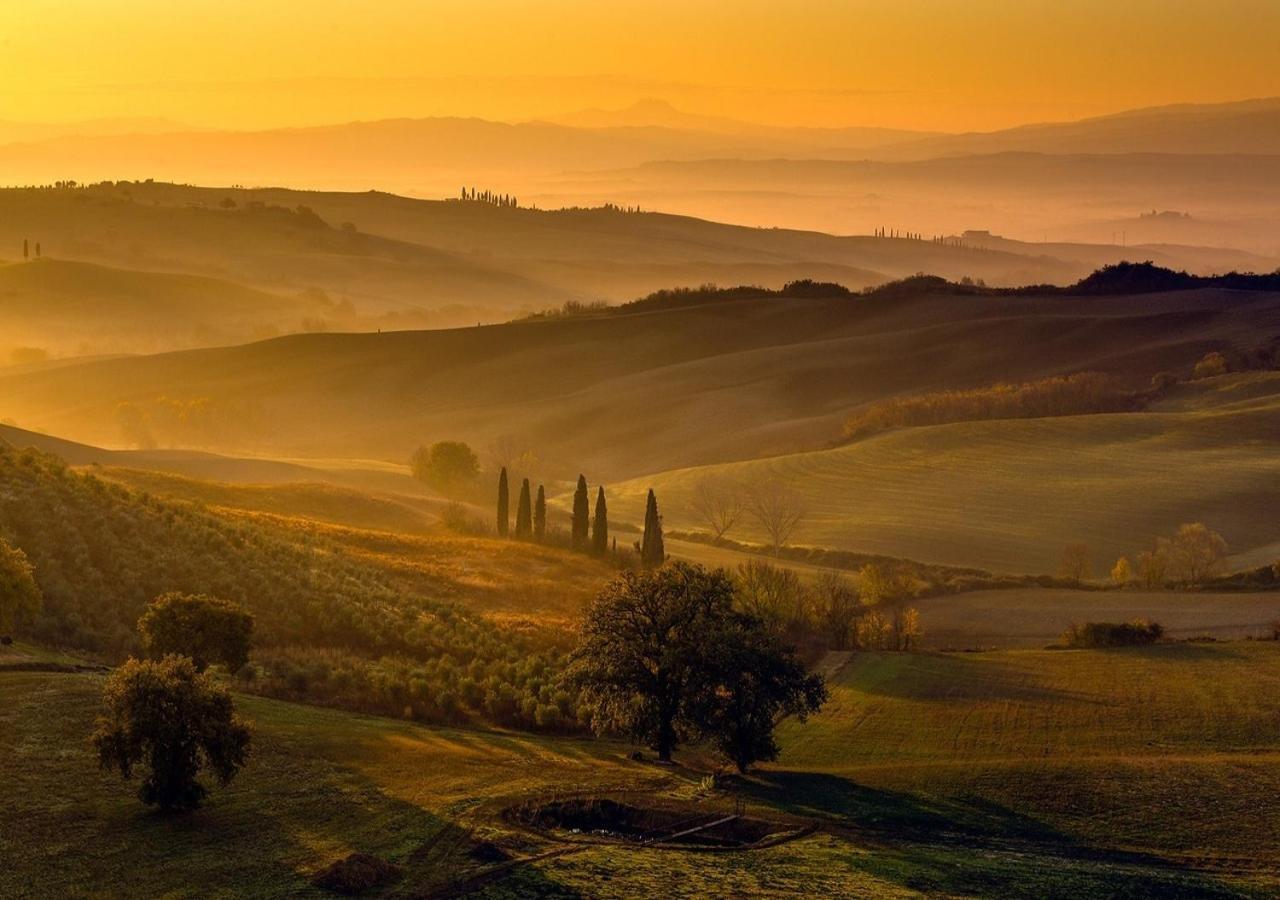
(606, 819)
(358, 873)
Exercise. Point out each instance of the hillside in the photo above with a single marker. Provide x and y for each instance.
(631, 393)
(1215, 162)
(438, 627)
(1048, 194)
(1247, 126)
(283, 250)
(1008, 495)
(71, 308)
(926, 775)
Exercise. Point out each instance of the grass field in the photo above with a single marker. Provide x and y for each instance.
(1009, 495)
(1032, 773)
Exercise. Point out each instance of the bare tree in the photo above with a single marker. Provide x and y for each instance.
(777, 509)
(835, 607)
(512, 452)
(1196, 552)
(1075, 563)
(720, 503)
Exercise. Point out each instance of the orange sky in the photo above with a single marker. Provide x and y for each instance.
(941, 64)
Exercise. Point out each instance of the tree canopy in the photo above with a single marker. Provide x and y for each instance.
(666, 659)
(447, 466)
(524, 513)
(581, 515)
(206, 629)
(173, 721)
(504, 504)
(19, 594)
(600, 526)
(653, 551)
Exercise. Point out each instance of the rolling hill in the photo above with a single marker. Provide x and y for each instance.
(1246, 126)
(81, 309)
(627, 393)
(1008, 495)
(926, 775)
(1205, 159)
(1229, 198)
(149, 267)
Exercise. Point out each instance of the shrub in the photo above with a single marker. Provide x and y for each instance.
(1137, 633)
(1072, 395)
(1211, 364)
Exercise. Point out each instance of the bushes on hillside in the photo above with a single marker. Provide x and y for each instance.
(834, 612)
(1072, 395)
(328, 628)
(19, 594)
(1137, 633)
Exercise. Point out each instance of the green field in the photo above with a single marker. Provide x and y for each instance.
(1008, 495)
(1144, 773)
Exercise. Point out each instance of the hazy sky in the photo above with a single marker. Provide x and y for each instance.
(945, 64)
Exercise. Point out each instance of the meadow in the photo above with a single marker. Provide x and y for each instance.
(1047, 773)
(1008, 495)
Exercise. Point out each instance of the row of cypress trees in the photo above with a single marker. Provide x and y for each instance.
(531, 517)
(588, 533)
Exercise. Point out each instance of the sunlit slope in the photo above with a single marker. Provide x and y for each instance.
(621, 395)
(1137, 748)
(1009, 495)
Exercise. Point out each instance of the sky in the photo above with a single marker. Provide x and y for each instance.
(929, 64)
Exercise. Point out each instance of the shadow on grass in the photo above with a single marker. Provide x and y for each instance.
(971, 845)
(951, 676)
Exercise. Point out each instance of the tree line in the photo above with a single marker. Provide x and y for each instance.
(1192, 556)
(490, 197)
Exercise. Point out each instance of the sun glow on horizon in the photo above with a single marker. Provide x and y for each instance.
(931, 65)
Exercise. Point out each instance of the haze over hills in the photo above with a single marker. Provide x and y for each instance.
(654, 113)
(78, 309)
(145, 267)
(1242, 127)
(640, 449)
(1213, 161)
(777, 375)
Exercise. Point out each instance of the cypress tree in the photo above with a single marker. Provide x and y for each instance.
(504, 518)
(600, 527)
(26, 249)
(652, 552)
(540, 516)
(524, 515)
(581, 515)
